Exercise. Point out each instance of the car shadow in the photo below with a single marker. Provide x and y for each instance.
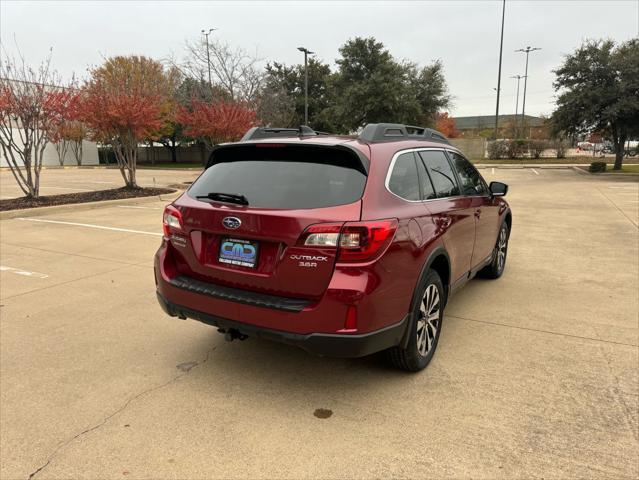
(279, 368)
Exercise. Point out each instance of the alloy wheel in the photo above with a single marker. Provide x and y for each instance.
(428, 321)
(502, 245)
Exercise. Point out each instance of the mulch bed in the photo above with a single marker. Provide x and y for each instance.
(82, 197)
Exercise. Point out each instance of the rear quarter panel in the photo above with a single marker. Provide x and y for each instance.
(417, 236)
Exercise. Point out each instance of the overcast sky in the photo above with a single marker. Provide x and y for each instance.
(464, 35)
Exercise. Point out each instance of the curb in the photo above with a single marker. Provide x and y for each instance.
(604, 174)
(76, 207)
(187, 169)
(68, 167)
(526, 165)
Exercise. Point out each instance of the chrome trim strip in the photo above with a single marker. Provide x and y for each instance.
(392, 166)
(421, 149)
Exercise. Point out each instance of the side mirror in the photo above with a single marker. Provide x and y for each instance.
(498, 189)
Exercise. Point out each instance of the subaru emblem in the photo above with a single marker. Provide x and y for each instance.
(231, 222)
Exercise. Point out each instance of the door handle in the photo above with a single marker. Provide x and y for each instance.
(478, 213)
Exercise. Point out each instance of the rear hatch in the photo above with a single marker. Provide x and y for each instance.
(245, 219)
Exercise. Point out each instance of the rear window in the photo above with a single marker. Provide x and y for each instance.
(286, 177)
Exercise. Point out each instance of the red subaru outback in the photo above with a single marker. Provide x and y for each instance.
(342, 246)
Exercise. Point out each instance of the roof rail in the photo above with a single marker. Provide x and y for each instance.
(258, 133)
(392, 132)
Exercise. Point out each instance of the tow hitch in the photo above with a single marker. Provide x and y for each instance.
(232, 334)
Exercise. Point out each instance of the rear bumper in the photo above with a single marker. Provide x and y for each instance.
(324, 344)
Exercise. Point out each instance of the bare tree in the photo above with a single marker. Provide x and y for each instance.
(61, 148)
(76, 149)
(30, 102)
(276, 108)
(234, 70)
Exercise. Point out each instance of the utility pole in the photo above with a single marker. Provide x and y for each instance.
(501, 47)
(208, 57)
(306, 54)
(527, 51)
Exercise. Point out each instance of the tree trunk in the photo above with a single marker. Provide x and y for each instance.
(126, 156)
(130, 167)
(78, 153)
(619, 151)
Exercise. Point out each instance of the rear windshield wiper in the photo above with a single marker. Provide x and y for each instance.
(225, 197)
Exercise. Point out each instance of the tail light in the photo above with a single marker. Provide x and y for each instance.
(172, 220)
(356, 241)
(321, 235)
(362, 241)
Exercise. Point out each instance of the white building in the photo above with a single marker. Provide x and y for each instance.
(50, 156)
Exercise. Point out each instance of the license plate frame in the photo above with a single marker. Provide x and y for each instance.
(238, 252)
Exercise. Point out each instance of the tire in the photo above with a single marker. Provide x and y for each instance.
(424, 334)
(496, 267)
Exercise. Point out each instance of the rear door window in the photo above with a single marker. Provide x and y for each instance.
(441, 173)
(285, 178)
(403, 180)
(428, 191)
(469, 178)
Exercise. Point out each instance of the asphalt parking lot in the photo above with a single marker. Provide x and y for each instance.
(536, 374)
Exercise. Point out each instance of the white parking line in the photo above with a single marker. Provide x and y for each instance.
(535, 171)
(492, 170)
(19, 271)
(144, 208)
(89, 225)
(67, 188)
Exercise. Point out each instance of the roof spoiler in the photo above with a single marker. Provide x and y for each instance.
(392, 132)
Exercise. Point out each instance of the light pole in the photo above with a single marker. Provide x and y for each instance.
(501, 47)
(208, 57)
(307, 52)
(527, 51)
(518, 77)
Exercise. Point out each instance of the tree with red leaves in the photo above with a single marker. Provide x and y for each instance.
(31, 104)
(446, 125)
(66, 127)
(127, 100)
(216, 122)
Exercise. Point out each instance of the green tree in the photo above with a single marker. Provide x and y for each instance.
(431, 90)
(372, 87)
(287, 83)
(599, 85)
